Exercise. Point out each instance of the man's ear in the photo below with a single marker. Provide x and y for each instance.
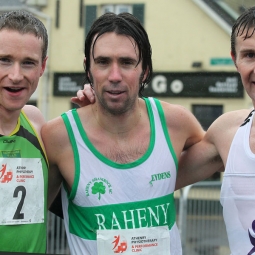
(90, 79)
(43, 66)
(233, 57)
(145, 74)
(84, 64)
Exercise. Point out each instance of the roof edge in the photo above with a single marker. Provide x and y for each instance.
(211, 12)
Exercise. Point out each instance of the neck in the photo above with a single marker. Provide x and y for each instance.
(8, 121)
(118, 124)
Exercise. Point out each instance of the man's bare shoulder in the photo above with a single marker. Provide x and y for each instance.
(53, 128)
(179, 117)
(183, 127)
(176, 113)
(223, 129)
(33, 113)
(35, 116)
(232, 119)
(55, 138)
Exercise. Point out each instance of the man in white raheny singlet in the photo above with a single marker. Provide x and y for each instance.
(119, 156)
(232, 136)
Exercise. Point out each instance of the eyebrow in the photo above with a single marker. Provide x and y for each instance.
(247, 50)
(101, 57)
(25, 59)
(5, 55)
(31, 59)
(129, 59)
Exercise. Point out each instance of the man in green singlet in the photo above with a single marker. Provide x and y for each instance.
(23, 167)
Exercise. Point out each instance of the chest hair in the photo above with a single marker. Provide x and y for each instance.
(123, 151)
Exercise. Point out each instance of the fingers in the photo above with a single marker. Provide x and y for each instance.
(84, 97)
(81, 95)
(82, 101)
(87, 92)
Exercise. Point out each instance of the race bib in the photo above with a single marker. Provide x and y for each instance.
(22, 191)
(146, 241)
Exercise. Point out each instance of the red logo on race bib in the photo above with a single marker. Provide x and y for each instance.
(5, 176)
(119, 245)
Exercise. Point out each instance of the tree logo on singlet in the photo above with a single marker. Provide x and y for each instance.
(98, 186)
(251, 232)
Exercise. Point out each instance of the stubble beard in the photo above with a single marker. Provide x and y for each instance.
(107, 109)
(123, 107)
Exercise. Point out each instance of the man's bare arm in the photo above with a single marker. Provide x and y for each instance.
(48, 133)
(197, 163)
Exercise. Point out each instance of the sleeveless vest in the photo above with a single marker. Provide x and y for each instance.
(238, 192)
(110, 195)
(23, 189)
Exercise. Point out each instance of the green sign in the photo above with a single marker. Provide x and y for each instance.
(221, 61)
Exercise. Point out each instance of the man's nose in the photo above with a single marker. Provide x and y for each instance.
(15, 73)
(115, 73)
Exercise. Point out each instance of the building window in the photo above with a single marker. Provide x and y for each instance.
(92, 12)
(116, 8)
(206, 114)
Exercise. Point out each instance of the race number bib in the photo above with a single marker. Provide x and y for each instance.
(22, 191)
(143, 241)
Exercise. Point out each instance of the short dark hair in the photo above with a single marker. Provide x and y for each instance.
(244, 24)
(24, 22)
(121, 24)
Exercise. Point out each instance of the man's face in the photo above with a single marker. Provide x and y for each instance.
(115, 73)
(245, 62)
(21, 67)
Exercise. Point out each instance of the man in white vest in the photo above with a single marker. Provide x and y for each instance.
(232, 136)
(118, 158)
